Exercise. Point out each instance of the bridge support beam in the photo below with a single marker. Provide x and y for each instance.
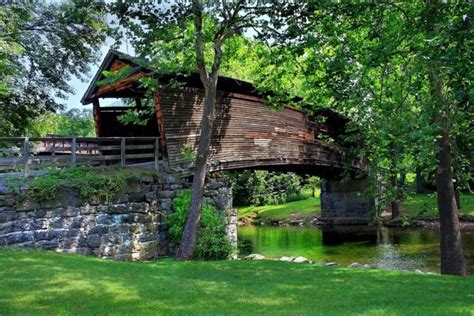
(343, 202)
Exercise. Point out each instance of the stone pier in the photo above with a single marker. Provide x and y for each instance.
(343, 202)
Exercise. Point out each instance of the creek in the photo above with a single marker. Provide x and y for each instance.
(381, 247)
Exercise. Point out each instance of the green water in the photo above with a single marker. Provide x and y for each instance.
(387, 248)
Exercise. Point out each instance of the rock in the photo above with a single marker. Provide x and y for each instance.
(150, 196)
(170, 179)
(233, 257)
(329, 264)
(286, 259)
(301, 260)
(9, 201)
(367, 266)
(297, 222)
(255, 256)
(136, 197)
(418, 271)
(355, 265)
(27, 204)
(93, 241)
(117, 209)
(146, 178)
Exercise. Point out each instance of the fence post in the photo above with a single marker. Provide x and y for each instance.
(122, 152)
(157, 152)
(53, 149)
(73, 151)
(26, 156)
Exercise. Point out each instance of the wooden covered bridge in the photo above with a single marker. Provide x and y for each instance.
(247, 133)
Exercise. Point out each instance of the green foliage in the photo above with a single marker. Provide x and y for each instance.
(370, 63)
(74, 122)
(100, 183)
(261, 187)
(14, 184)
(212, 242)
(117, 75)
(188, 152)
(312, 184)
(43, 46)
(46, 187)
(424, 205)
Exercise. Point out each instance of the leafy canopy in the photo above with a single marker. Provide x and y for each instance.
(43, 46)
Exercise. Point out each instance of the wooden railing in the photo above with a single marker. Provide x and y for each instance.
(24, 153)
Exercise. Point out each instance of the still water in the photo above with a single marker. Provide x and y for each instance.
(387, 248)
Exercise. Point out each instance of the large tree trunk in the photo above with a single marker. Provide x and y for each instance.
(189, 237)
(458, 198)
(420, 189)
(209, 81)
(452, 255)
(395, 205)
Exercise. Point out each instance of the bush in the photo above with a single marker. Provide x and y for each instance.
(100, 183)
(212, 241)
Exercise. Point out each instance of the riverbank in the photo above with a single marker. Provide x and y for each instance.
(42, 282)
(419, 210)
(293, 213)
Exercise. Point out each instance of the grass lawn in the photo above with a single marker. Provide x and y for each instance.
(425, 205)
(297, 209)
(48, 283)
(414, 206)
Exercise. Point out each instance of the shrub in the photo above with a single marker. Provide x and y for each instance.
(212, 241)
(101, 183)
(45, 187)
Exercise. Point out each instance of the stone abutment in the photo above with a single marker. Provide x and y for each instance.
(131, 227)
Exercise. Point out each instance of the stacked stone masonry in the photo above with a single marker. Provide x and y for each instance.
(130, 228)
(344, 202)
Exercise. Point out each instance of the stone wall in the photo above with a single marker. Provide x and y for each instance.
(343, 202)
(132, 227)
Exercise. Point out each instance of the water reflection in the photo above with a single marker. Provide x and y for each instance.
(394, 248)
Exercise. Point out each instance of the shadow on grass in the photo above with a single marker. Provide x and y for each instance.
(39, 282)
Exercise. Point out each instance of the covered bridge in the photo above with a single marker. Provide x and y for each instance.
(247, 133)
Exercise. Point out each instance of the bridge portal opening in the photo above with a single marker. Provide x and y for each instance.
(112, 117)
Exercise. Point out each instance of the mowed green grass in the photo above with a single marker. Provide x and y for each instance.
(419, 205)
(426, 205)
(38, 282)
(297, 209)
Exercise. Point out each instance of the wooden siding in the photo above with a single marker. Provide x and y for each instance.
(247, 133)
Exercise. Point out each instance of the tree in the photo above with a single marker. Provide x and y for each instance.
(438, 38)
(43, 45)
(312, 183)
(158, 30)
(75, 122)
(399, 72)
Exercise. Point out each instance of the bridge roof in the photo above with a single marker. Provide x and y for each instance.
(192, 80)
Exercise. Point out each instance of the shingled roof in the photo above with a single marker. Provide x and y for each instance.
(227, 84)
